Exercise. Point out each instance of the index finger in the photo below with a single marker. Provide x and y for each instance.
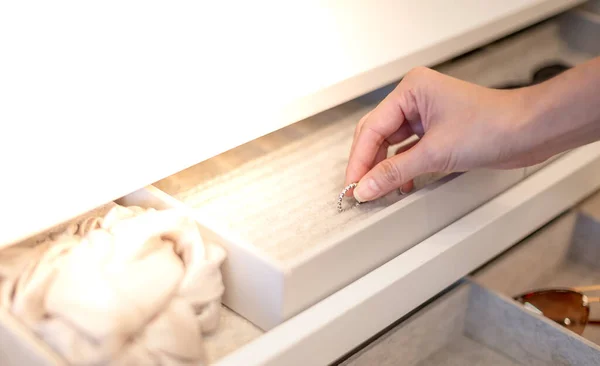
(386, 123)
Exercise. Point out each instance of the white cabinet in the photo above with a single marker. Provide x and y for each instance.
(308, 284)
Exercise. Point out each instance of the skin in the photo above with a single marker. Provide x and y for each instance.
(463, 126)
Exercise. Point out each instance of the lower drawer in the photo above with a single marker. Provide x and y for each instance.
(565, 254)
(472, 325)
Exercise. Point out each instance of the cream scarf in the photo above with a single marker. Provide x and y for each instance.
(133, 287)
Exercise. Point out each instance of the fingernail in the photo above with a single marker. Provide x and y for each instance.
(366, 190)
(403, 192)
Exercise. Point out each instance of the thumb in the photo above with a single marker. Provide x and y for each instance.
(392, 173)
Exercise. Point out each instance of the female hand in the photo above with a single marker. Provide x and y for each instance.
(463, 126)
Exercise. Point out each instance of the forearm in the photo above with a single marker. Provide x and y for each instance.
(564, 112)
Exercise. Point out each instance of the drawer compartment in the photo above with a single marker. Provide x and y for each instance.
(564, 254)
(22, 346)
(471, 325)
(272, 204)
(438, 334)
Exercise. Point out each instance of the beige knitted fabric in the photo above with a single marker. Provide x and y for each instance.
(132, 287)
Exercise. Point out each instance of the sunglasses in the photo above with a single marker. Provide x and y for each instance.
(569, 307)
(540, 75)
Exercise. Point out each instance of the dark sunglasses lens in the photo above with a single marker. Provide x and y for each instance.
(547, 72)
(514, 85)
(563, 306)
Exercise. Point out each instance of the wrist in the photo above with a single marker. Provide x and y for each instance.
(525, 114)
(534, 109)
(568, 105)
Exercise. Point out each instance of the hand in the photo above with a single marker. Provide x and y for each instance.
(461, 126)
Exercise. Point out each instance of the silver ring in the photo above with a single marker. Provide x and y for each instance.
(341, 196)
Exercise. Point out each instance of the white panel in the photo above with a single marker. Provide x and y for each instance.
(100, 99)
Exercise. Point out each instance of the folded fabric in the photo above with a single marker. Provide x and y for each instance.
(134, 286)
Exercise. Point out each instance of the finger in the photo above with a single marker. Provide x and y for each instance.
(362, 160)
(399, 136)
(381, 155)
(392, 139)
(407, 187)
(392, 173)
(357, 129)
(403, 134)
(410, 185)
(382, 123)
(356, 133)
